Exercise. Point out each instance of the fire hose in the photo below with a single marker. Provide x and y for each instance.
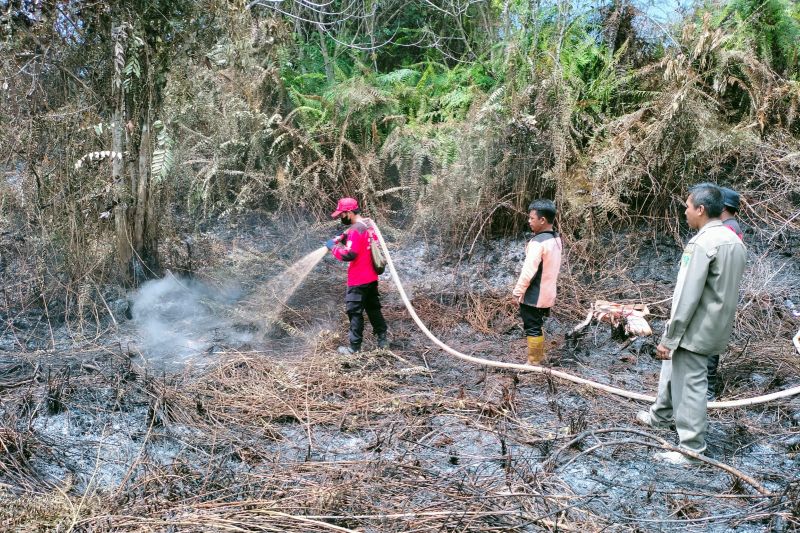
(557, 373)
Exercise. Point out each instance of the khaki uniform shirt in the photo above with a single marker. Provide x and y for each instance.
(707, 291)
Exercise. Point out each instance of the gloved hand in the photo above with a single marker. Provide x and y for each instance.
(330, 244)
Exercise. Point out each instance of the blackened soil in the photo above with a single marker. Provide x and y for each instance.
(446, 434)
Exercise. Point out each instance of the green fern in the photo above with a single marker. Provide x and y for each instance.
(403, 76)
(770, 27)
(132, 69)
(455, 103)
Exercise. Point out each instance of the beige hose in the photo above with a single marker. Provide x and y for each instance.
(557, 373)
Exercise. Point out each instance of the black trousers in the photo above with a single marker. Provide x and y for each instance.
(713, 363)
(358, 299)
(533, 319)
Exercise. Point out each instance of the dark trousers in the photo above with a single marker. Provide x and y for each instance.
(362, 298)
(713, 363)
(533, 319)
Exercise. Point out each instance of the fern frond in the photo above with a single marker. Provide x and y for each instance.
(455, 103)
(403, 76)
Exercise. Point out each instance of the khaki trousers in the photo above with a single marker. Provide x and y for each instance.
(682, 398)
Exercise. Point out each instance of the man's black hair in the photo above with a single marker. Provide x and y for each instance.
(710, 196)
(544, 208)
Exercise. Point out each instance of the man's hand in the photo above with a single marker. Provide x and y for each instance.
(516, 300)
(663, 353)
(330, 244)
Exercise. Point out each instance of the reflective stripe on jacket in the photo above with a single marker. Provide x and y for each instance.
(537, 281)
(707, 291)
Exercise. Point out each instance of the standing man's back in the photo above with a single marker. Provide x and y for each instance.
(730, 206)
(730, 200)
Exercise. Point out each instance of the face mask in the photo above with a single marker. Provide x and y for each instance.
(345, 221)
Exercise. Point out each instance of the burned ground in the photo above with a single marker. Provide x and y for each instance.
(268, 428)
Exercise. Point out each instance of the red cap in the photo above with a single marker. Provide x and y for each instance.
(345, 204)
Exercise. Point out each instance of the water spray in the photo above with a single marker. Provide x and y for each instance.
(276, 293)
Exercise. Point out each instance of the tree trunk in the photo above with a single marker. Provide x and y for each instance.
(373, 53)
(506, 31)
(329, 74)
(145, 221)
(134, 211)
(121, 197)
(533, 55)
(142, 183)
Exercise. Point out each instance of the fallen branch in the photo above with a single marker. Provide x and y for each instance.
(660, 443)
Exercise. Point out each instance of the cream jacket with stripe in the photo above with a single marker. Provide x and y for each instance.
(536, 285)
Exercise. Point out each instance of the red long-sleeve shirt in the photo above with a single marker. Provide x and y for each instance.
(355, 250)
(733, 225)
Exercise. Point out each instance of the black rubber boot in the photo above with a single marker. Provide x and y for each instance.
(383, 342)
(347, 350)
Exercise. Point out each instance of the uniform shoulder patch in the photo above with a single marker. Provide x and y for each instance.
(688, 252)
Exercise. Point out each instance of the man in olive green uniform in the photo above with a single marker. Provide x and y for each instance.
(703, 307)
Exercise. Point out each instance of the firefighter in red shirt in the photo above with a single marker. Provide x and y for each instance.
(362, 280)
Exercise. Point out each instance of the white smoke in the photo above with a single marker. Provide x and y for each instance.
(179, 319)
(184, 320)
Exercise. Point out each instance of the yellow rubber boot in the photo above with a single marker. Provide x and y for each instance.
(536, 350)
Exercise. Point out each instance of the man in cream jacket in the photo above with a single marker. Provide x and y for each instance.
(535, 291)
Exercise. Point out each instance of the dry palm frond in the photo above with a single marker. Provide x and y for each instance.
(97, 156)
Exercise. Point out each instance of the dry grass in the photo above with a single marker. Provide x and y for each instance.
(325, 442)
(384, 442)
(231, 475)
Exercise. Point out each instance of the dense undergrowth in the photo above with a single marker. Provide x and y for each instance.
(448, 123)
